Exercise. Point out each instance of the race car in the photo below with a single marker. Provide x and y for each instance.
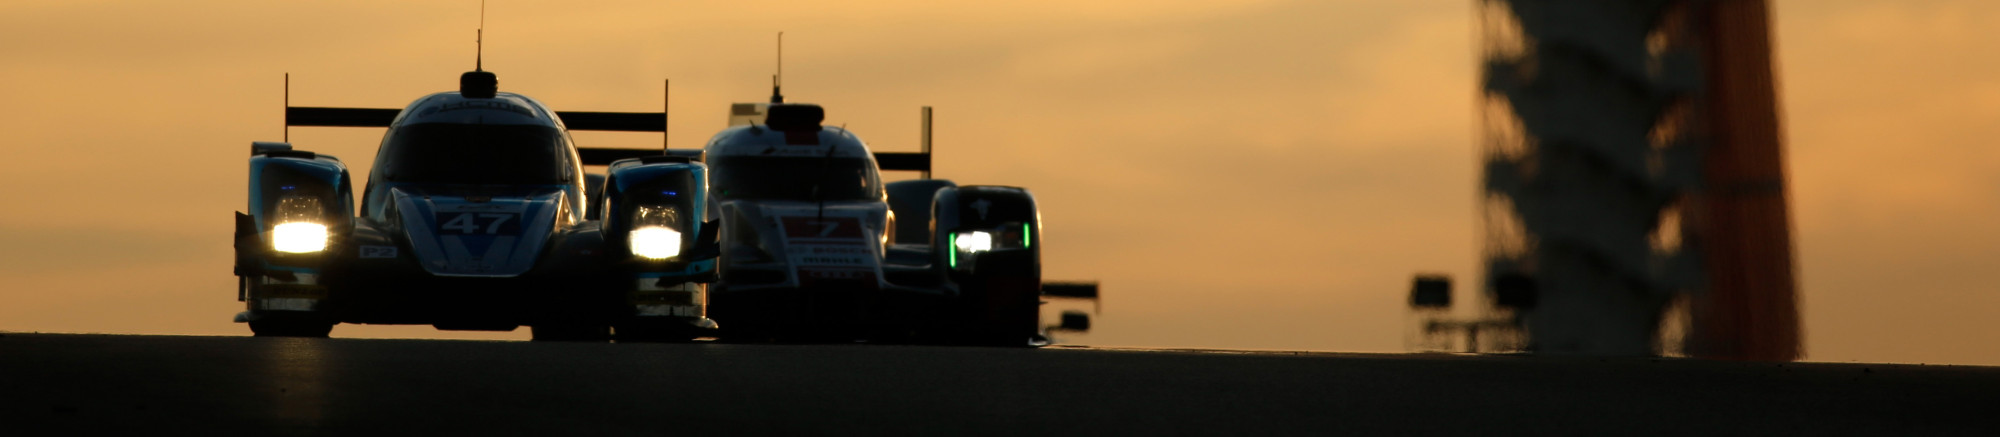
(478, 215)
(814, 246)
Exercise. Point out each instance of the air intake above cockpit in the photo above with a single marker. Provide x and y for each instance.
(478, 85)
(794, 117)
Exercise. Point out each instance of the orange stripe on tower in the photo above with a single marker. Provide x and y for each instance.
(1750, 311)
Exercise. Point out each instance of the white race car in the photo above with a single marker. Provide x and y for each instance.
(816, 247)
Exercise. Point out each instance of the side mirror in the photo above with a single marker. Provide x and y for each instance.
(247, 263)
(1075, 321)
(707, 243)
(593, 196)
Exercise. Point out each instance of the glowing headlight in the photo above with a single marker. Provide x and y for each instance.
(298, 237)
(974, 242)
(297, 229)
(966, 244)
(653, 234)
(656, 242)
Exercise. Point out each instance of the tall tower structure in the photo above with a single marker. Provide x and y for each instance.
(1633, 177)
(1749, 309)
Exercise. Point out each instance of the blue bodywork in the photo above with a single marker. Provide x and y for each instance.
(474, 217)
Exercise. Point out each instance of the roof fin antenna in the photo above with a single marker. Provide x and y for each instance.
(478, 83)
(821, 180)
(777, 80)
(479, 41)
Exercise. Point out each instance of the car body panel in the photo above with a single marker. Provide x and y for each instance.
(473, 217)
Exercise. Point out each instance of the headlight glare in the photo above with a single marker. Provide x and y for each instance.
(298, 237)
(297, 228)
(974, 242)
(656, 242)
(654, 234)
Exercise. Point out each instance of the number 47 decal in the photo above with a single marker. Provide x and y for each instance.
(468, 223)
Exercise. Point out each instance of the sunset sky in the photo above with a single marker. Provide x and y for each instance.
(1239, 174)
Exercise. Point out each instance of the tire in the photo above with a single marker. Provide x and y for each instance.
(1007, 300)
(569, 332)
(623, 335)
(290, 328)
(675, 331)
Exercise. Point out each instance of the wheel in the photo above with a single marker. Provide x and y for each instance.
(666, 331)
(642, 335)
(1006, 287)
(569, 332)
(577, 318)
(290, 328)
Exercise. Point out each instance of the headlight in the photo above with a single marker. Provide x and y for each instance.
(298, 237)
(656, 242)
(974, 242)
(298, 228)
(966, 244)
(653, 235)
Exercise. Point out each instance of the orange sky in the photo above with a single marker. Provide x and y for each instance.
(1242, 174)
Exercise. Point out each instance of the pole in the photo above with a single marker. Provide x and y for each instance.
(286, 116)
(927, 143)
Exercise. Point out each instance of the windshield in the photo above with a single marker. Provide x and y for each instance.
(475, 154)
(793, 178)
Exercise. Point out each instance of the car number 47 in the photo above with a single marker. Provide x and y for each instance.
(469, 223)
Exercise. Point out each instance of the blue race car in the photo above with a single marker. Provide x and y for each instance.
(478, 215)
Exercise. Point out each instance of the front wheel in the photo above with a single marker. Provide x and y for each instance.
(290, 328)
(665, 331)
(570, 332)
(1006, 288)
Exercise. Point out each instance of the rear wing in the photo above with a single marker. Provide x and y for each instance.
(594, 121)
(752, 113)
(374, 117)
(1073, 321)
(574, 120)
(1079, 290)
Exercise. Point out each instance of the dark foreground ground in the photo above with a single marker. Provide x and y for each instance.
(141, 385)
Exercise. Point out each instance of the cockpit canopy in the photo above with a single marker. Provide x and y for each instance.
(791, 157)
(452, 138)
(451, 153)
(794, 178)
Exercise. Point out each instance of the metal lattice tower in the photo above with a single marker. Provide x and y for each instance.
(1612, 177)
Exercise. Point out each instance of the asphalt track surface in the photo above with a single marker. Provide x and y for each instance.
(154, 385)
